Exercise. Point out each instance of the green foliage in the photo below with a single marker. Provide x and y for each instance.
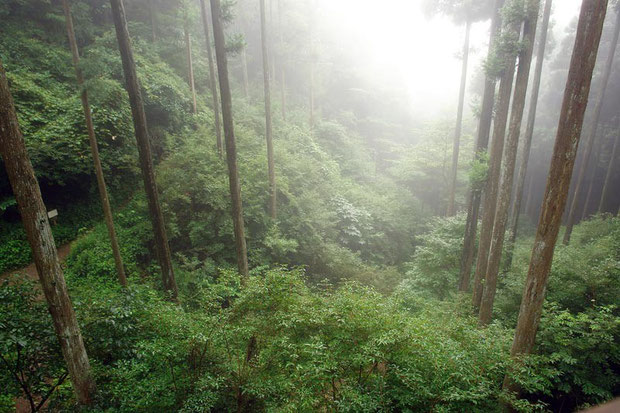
(478, 172)
(584, 273)
(30, 357)
(583, 350)
(434, 270)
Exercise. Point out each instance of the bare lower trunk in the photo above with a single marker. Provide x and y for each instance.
(282, 71)
(153, 21)
(246, 79)
(610, 169)
(572, 215)
(529, 131)
(593, 172)
(495, 163)
(459, 123)
(39, 234)
(268, 125)
(144, 148)
(567, 140)
(482, 141)
(190, 63)
(229, 135)
(103, 192)
(509, 161)
(212, 77)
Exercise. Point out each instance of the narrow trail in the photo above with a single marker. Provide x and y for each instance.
(31, 270)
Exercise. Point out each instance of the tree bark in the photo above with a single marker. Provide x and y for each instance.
(610, 170)
(558, 182)
(495, 163)
(459, 123)
(246, 79)
(282, 71)
(229, 135)
(212, 77)
(268, 124)
(312, 56)
(482, 142)
(509, 161)
(593, 172)
(34, 217)
(144, 148)
(94, 149)
(153, 21)
(592, 132)
(190, 63)
(529, 131)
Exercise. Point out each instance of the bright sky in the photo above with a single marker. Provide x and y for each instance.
(400, 40)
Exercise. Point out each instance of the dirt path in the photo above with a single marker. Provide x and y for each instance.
(31, 270)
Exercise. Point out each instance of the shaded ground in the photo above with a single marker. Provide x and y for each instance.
(31, 271)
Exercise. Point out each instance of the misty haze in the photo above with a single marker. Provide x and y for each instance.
(309, 206)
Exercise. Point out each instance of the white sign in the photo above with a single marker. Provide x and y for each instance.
(53, 213)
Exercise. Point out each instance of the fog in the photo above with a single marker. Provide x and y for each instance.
(420, 53)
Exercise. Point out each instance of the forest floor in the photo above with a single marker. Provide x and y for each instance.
(31, 270)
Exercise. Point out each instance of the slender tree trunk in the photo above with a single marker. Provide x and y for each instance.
(482, 142)
(103, 192)
(529, 131)
(459, 123)
(554, 201)
(530, 195)
(268, 125)
(153, 21)
(592, 132)
(282, 71)
(271, 45)
(509, 161)
(212, 77)
(246, 79)
(495, 163)
(190, 63)
(312, 63)
(229, 135)
(144, 148)
(610, 169)
(593, 172)
(34, 217)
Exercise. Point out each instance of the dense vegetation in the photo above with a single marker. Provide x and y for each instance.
(352, 301)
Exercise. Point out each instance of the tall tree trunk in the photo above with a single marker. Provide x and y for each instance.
(144, 148)
(610, 169)
(593, 172)
(212, 78)
(529, 131)
(530, 195)
(554, 201)
(509, 161)
(282, 71)
(94, 149)
(495, 163)
(271, 44)
(482, 142)
(268, 125)
(312, 64)
(190, 63)
(153, 21)
(229, 135)
(592, 132)
(34, 217)
(246, 79)
(459, 122)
